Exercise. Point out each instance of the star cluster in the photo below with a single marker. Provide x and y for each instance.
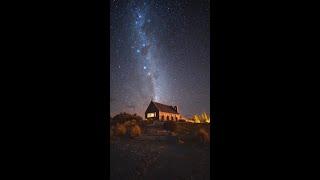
(160, 50)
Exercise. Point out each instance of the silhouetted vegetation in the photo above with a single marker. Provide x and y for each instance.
(125, 124)
(124, 117)
(148, 121)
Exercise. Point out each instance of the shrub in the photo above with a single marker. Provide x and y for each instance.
(127, 124)
(203, 136)
(170, 126)
(135, 131)
(131, 123)
(120, 130)
(124, 117)
(146, 122)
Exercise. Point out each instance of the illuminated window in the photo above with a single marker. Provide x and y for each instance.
(151, 115)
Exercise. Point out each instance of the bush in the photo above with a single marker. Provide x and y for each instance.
(124, 117)
(147, 122)
(127, 124)
(131, 123)
(135, 131)
(203, 136)
(120, 130)
(170, 126)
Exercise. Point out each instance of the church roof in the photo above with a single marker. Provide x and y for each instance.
(165, 108)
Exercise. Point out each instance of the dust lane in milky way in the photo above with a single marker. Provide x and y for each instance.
(160, 50)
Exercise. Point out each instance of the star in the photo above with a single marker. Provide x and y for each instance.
(153, 48)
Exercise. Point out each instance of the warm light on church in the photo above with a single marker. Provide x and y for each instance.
(151, 115)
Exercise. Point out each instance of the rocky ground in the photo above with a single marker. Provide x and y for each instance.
(158, 155)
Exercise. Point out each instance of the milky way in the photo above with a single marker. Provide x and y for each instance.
(160, 50)
(144, 46)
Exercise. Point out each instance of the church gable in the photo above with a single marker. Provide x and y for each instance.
(152, 108)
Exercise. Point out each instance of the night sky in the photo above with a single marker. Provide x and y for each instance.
(160, 50)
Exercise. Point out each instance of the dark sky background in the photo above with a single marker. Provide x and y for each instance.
(160, 50)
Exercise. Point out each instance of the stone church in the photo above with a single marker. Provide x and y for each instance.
(162, 112)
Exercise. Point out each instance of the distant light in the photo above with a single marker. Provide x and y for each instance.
(144, 67)
(144, 45)
(140, 16)
(149, 74)
(138, 51)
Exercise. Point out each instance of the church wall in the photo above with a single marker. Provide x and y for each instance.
(171, 116)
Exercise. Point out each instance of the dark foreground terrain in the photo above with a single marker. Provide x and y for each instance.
(155, 155)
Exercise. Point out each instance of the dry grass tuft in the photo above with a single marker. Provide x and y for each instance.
(127, 124)
(135, 131)
(120, 130)
(203, 136)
